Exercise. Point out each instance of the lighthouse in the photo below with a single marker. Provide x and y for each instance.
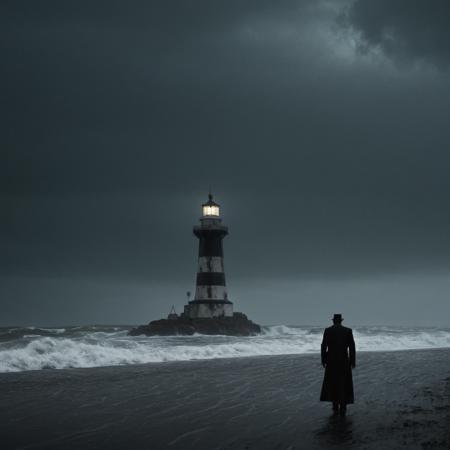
(210, 312)
(211, 299)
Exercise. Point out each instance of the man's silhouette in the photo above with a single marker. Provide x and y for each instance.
(338, 358)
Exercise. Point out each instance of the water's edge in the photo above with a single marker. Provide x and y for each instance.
(33, 348)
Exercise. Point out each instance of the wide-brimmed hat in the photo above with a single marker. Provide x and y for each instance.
(337, 318)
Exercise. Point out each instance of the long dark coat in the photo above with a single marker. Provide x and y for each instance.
(338, 354)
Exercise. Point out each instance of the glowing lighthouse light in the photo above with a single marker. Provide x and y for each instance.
(210, 208)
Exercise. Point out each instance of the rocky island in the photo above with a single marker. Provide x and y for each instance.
(236, 325)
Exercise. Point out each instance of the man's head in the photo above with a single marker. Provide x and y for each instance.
(337, 319)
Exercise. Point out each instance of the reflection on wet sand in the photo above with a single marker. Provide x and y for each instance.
(336, 430)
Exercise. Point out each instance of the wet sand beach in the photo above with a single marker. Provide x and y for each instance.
(402, 400)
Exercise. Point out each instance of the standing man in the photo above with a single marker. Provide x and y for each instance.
(338, 359)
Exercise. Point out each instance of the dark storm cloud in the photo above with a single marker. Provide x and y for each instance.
(99, 80)
(406, 30)
(117, 117)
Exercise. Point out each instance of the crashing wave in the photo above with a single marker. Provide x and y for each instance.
(110, 346)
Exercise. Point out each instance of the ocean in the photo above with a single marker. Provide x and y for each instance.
(34, 348)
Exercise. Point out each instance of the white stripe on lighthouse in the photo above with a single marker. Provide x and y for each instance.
(210, 293)
(210, 264)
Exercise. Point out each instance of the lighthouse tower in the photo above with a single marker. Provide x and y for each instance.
(210, 293)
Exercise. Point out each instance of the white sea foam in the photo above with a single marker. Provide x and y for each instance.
(101, 348)
(279, 330)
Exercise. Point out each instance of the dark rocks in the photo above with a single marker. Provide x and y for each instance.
(238, 325)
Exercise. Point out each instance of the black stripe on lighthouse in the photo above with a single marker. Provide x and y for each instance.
(210, 245)
(210, 279)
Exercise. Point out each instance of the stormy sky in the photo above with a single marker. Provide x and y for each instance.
(321, 126)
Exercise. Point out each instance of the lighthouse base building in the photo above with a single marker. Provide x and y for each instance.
(210, 312)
